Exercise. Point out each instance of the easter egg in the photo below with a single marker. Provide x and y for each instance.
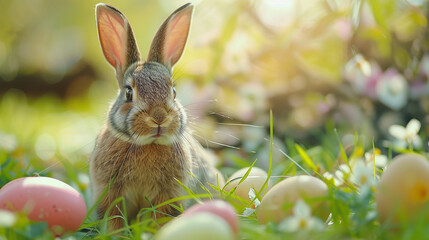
(217, 207)
(279, 200)
(45, 199)
(403, 189)
(203, 225)
(255, 180)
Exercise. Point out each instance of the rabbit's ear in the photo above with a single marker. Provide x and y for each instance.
(170, 40)
(116, 39)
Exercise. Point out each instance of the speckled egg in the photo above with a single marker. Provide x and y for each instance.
(45, 199)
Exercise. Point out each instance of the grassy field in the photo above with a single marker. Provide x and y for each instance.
(352, 203)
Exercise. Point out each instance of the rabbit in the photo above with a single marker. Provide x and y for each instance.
(146, 143)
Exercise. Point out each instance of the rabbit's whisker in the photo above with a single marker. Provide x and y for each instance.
(241, 125)
(47, 168)
(217, 143)
(198, 128)
(221, 115)
(227, 134)
(203, 138)
(200, 102)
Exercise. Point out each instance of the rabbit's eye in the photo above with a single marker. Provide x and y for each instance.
(129, 93)
(174, 93)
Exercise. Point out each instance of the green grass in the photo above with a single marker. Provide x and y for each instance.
(353, 213)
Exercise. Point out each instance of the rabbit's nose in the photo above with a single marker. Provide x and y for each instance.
(158, 115)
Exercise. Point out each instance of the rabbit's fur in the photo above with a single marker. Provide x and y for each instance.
(146, 144)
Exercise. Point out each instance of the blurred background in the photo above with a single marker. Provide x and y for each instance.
(329, 69)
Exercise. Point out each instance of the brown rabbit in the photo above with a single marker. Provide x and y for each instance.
(146, 144)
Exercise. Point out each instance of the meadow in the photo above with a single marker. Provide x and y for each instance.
(334, 89)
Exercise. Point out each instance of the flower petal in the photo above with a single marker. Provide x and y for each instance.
(301, 209)
(248, 211)
(380, 161)
(362, 175)
(252, 194)
(290, 224)
(413, 127)
(417, 141)
(315, 224)
(344, 168)
(398, 132)
(256, 203)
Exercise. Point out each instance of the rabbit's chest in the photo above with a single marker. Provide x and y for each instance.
(142, 172)
(155, 168)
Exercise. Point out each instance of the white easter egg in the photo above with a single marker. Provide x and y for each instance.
(255, 180)
(403, 190)
(279, 200)
(218, 207)
(199, 226)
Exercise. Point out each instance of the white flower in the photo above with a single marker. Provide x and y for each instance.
(362, 175)
(343, 168)
(7, 218)
(359, 64)
(331, 177)
(337, 177)
(380, 161)
(392, 89)
(301, 219)
(357, 70)
(252, 196)
(407, 135)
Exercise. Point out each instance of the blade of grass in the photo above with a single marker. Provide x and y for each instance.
(241, 178)
(101, 197)
(200, 183)
(189, 191)
(247, 173)
(265, 185)
(343, 151)
(106, 217)
(307, 160)
(297, 164)
(178, 199)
